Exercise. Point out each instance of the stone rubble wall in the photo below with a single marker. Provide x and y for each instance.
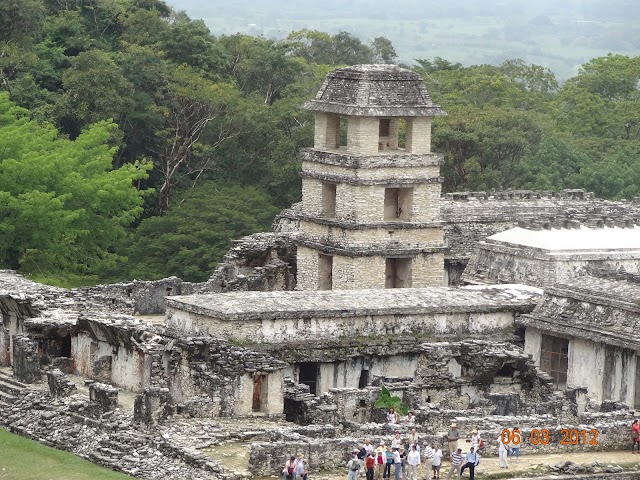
(108, 439)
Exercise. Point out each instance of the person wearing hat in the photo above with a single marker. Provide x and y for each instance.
(300, 467)
(381, 461)
(475, 440)
(353, 466)
(453, 437)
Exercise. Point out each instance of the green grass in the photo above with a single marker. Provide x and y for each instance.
(24, 459)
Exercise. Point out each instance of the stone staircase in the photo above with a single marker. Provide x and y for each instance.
(10, 388)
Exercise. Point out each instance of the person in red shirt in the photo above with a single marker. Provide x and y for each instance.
(370, 463)
(635, 436)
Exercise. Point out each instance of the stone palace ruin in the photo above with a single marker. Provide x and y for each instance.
(495, 310)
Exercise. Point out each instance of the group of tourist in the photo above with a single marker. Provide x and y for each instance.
(402, 458)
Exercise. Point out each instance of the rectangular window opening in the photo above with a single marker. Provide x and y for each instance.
(364, 379)
(325, 272)
(328, 199)
(554, 359)
(398, 203)
(398, 273)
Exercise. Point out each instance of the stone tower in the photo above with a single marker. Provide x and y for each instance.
(370, 198)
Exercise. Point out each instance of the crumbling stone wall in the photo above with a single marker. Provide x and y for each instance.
(26, 364)
(262, 262)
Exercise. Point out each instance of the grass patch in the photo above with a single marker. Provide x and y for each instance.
(24, 459)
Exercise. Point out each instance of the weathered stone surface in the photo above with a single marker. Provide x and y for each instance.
(105, 396)
(59, 384)
(153, 406)
(26, 364)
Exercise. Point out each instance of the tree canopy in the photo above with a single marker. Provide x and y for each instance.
(131, 119)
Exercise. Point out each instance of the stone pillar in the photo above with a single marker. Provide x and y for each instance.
(59, 384)
(105, 396)
(153, 406)
(26, 364)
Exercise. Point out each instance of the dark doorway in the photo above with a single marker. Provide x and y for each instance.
(364, 379)
(398, 273)
(308, 374)
(65, 348)
(259, 387)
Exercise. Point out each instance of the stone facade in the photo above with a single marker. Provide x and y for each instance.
(369, 216)
(549, 256)
(594, 321)
(279, 317)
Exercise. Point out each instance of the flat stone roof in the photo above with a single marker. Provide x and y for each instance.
(583, 239)
(348, 303)
(374, 91)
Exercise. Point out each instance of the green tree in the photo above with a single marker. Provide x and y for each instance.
(193, 236)
(63, 208)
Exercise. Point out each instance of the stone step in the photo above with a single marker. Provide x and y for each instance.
(6, 376)
(10, 388)
(8, 397)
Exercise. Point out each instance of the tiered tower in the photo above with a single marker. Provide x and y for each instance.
(370, 184)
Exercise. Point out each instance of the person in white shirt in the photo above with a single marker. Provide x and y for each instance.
(437, 462)
(413, 460)
(502, 453)
(428, 453)
(397, 463)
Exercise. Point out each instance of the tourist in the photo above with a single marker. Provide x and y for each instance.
(289, 471)
(381, 461)
(413, 439)
(453, 437)
(396, 441)
(368, 447)
(300, 468)
(397, 463)
(502, 453)
(392, 417)
(476, 441)
(635, 436)
(513, 448)
(353, 466)
(413, 460)
(410, 419)
(387, 467)
(427, 451)
(472, 460)
(456, 463)
(370, 463)
(437, 462)
(403, 460)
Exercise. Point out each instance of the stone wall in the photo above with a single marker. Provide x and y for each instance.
(276, 317)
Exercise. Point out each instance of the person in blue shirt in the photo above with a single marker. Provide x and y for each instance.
(471, 461)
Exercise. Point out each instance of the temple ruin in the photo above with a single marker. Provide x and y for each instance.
(486, 308)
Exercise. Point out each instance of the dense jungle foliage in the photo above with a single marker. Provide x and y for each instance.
(134, 143)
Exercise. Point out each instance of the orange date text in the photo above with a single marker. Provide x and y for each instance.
(540, 436)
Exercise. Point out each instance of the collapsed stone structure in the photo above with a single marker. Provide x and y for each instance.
(356, 287)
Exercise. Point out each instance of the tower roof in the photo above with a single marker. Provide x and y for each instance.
(374, 91)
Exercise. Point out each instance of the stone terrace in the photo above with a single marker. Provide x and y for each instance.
(287, 316)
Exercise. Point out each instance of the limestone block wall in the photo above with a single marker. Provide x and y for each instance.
(418, 135)
(13, 314)
(128, 368)
(279, 330)
(607, 372)
(366, 272)
(363, 135)
(376, 235)
(497, 263)
(327, 130)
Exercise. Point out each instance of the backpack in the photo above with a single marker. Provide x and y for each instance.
(355, 465)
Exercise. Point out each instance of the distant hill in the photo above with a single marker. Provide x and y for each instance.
(559, 35)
